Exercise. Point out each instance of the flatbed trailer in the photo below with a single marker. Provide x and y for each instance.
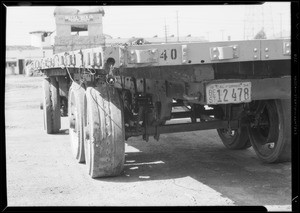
(112, 93)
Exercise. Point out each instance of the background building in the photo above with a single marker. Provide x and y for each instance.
(18, 56)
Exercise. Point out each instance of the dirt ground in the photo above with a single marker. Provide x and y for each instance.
(182, 169)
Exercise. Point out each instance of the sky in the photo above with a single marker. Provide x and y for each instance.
(215, 23)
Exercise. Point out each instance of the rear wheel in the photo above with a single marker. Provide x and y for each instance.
(235, 139)
(104, 132)
(270, 130)
(51, 105)
(76, 115)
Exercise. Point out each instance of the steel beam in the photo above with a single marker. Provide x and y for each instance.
(187, 127)
(171, 128)
(186, 114)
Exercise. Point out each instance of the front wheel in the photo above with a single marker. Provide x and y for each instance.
(51, 105)
(270, 130)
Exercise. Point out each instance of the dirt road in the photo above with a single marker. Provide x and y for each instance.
(182, 169)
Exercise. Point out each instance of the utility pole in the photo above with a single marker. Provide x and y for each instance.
(222, 34)
(244, 28)
(280, 25)
(208, 35)
(273, 32)
(166, 32)
(177, 26)
(263, 17)
(250, 20)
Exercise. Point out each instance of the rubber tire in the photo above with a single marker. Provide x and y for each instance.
(282, 149)
(104, 124)
(240, 140)
(51, 105)
(76, 112)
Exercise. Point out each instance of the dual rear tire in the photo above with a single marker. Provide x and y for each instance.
(104, 133)
(97, 129)
(96, 125)
(269, 135)
(271, 138)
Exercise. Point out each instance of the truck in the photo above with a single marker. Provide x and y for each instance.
(113, 92)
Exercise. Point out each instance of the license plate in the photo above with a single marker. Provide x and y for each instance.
(225, 93)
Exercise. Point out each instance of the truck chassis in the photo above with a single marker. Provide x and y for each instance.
(240, 88)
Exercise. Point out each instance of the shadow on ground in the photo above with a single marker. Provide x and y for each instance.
(234, 173)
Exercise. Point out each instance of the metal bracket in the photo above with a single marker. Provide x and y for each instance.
(143, 56)
(184, 51)
(287, 48)
(223, 53)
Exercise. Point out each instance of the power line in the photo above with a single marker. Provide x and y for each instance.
(177, 26)
(208, 35)
(280, 25)
(222, 34)
(166, 32)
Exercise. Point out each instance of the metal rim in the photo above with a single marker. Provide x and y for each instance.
(265, 133)
(229, 135)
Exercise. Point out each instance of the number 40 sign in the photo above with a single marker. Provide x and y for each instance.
(167, 55)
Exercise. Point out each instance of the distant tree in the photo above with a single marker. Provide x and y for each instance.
(261, 34)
